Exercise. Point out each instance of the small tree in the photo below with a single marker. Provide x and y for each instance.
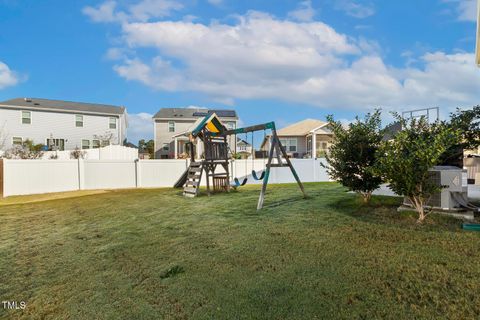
(27, 150)
(77, 153)
(3, 135)
(352, 156)
(147, 146)
(106, 139)
(406, 160)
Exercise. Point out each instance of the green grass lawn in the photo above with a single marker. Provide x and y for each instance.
(152, 254)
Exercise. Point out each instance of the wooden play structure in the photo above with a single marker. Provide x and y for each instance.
(214, 164)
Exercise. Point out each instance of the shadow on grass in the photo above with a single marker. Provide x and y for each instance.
(382, 210)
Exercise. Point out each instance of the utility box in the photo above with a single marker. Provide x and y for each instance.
(454, 195)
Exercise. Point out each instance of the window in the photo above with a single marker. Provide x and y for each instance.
(166, 146)
(290, 145)
(95, 144)
(26, 117)
(17, 141)
(78, 120)
(85, 144)
(56, 144)
(112, 124)
(230, 125)
(171, 126)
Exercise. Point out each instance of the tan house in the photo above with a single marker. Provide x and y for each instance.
(170, 124)
(309, 138)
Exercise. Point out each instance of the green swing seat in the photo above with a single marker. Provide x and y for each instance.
(236, 183)
(254, 175)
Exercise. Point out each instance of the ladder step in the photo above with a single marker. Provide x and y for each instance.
(195, 164)
(190, 195)
(278, 165)
(190, 190)
(218, 175)
(190, 170)
(192, 183)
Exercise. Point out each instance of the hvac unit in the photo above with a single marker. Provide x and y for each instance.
(453, 197)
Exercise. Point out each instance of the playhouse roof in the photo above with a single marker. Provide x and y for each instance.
(210, 122)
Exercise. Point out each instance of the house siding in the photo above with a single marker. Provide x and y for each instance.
(58, 125)
(162, 135)
(302, 149)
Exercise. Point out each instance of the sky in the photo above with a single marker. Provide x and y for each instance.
(271, 60)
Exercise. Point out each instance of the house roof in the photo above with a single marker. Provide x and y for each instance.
(242, 142)
(193, 113)
(391, 131)
(61, 105)
(302, 128)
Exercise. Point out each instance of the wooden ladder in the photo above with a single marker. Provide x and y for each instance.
(194, 177)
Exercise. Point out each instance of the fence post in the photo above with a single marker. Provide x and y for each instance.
(81, 174)
(136, 173)
(1, 177)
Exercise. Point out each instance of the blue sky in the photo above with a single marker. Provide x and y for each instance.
(270, 60)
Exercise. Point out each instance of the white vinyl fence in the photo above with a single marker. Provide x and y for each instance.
(112, 152)
(22, 177)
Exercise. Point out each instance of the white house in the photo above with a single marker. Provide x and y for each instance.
(61, 125)
(244, 148)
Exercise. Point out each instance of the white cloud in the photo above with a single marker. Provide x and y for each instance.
(262, 57)
(215, 2)
(466, 9)
(103, 13)
(141, 11)
(147, 9)
(159, 74)
(355, 9)
(304, 11)
(7, 76)
(140, 126)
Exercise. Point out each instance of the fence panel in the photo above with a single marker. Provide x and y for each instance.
(39, 176)
(308, 170)
(108, 174)
(160, 173)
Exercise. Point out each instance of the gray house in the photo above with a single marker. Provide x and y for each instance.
(171, 123)
(61, 125)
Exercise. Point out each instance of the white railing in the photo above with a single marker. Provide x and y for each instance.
(22, 177)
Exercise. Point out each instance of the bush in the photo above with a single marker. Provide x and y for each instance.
(27, 150)
(352, 156)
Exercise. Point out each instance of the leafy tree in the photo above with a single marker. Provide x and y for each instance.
(352, 156)
(406, 160)
(467, 122)
(148, 146)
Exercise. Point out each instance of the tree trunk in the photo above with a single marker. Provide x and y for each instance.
(418, 204)
(366, 197)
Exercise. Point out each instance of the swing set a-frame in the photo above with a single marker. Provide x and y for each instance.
(214, 136)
